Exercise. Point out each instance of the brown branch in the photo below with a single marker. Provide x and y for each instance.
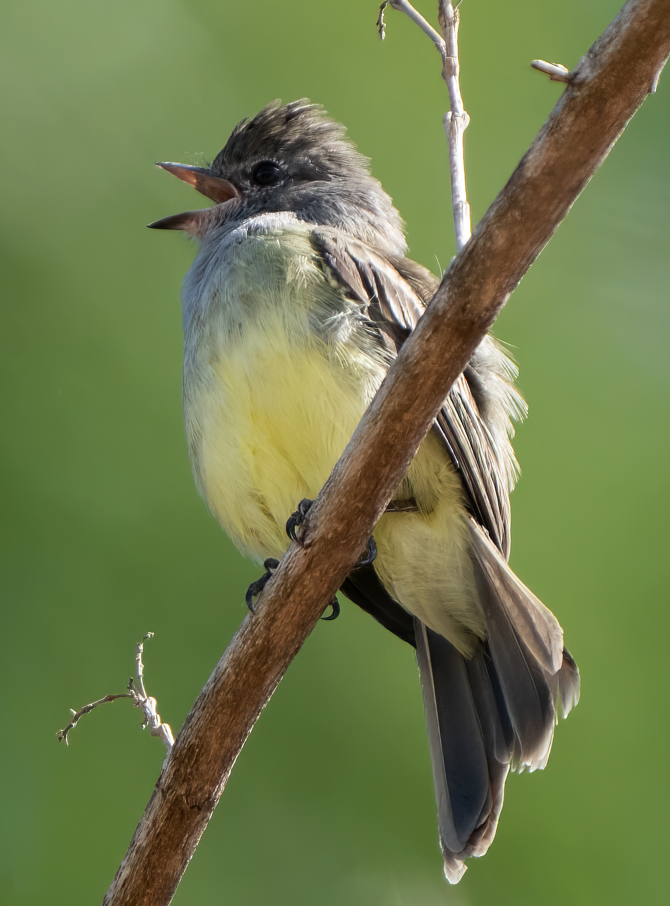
(610, 83)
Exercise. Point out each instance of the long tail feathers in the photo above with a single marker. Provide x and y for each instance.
(468, 745)
(494, 711)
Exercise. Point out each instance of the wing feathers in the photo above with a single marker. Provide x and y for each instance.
(492, 712)
(392, 294)
(536, 676)
(499, 708)
(568, 684)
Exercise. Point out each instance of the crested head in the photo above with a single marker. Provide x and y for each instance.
(299, 137)
(293, 158)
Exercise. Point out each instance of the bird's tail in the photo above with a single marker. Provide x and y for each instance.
(494, 711)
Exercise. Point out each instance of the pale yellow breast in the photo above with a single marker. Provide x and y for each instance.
(274, 386)
(274, 422)
(272, 396)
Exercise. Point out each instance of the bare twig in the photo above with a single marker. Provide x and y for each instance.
(404, 7)
(140, 700)
(556, 71)
(62, 735)
(139, 665)
(610, 83)
(455, 123)
(456, 119)
(152, 718)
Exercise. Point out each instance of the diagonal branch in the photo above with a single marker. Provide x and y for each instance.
(609, 84)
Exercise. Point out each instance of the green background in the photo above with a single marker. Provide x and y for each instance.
(104, 536)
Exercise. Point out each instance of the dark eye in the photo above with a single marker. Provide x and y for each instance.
(267, 173)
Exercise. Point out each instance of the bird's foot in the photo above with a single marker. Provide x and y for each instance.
(369, 555)
(257, 587)
(295, 522)
(335, 612)
(297, 519)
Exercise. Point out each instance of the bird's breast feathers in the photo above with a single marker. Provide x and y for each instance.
(275, 381)
(280, 366)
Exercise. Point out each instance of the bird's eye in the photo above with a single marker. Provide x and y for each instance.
(267, 173)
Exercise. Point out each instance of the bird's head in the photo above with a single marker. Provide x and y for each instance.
(291, 158)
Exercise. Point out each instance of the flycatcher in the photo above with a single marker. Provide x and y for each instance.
(297, 302)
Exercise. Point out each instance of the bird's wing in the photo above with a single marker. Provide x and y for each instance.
(496, 709)
(393, 294)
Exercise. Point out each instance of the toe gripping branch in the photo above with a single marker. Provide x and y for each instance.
(296, 520)
(294, 523)
(257, 587)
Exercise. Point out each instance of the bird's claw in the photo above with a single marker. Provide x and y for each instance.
(257, 587)
(296, 520)
(369, 555)
(335, 604)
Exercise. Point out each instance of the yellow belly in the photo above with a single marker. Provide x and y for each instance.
(272, 424)
(273, 421)
(271, 401)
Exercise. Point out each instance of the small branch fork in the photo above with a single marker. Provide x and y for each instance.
(139, 698)
(456, 119)
(611, 82)
(404, 7)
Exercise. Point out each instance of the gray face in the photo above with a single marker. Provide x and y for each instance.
(294, 158)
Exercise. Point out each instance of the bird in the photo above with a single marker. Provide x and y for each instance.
(299, 298)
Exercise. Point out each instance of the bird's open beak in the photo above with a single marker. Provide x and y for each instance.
(215, 187)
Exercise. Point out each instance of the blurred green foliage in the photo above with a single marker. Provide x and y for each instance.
(104, 536)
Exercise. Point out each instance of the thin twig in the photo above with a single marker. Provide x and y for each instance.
(139, 698)
(152, 718)
(404, 7)
(611, 82)
(556, 71)
(139, 666)
(456, 119)
(62, 735)
(455, 123)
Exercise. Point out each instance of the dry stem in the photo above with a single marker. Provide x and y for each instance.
(455, 123)
(140, 699)
(456, 119)
(556, 71)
